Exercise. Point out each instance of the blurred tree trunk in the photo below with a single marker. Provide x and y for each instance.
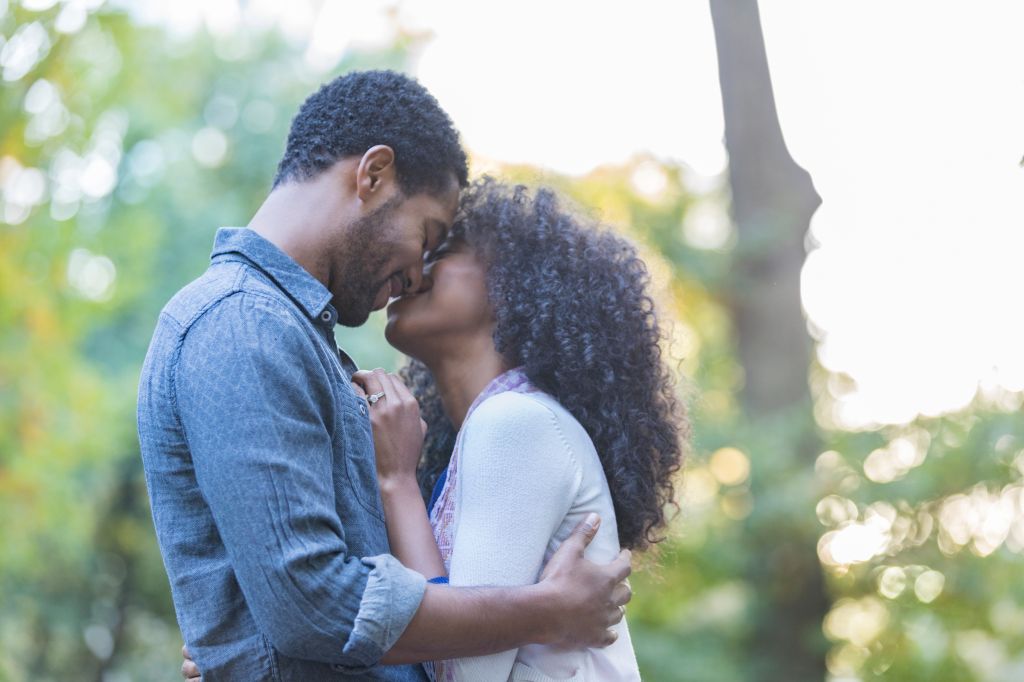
(773, 200)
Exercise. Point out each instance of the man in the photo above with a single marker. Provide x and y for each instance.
(259, 455)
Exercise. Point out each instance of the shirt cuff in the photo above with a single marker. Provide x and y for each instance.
(392, 596)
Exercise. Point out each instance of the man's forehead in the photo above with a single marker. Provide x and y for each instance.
(439, 208)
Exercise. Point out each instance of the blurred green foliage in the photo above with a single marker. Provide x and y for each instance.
(122, 149)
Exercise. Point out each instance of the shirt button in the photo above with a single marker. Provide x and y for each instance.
(362, 409)
(326, 316)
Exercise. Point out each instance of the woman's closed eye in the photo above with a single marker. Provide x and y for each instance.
(440, 252)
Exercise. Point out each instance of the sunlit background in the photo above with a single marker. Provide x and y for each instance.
(872, 529)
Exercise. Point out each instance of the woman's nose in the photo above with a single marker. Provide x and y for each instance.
(426, 281)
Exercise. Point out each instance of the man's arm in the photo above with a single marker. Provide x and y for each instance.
(252, 397)
(573, 605)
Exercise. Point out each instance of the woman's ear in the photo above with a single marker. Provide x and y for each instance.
(376, 179)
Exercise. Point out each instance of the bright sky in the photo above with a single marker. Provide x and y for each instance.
(908, 116)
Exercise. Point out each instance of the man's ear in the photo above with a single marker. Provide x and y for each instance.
(376, 179)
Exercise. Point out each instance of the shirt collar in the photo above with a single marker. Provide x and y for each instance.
(310, 294)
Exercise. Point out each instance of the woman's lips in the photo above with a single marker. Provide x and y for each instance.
(401, 301)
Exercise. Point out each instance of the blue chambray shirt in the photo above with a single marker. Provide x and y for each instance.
(260, 468)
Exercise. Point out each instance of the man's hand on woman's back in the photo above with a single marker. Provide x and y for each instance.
(589, 598)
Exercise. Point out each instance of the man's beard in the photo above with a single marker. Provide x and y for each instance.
(367, 248)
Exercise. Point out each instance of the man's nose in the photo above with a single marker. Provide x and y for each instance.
(414, 280)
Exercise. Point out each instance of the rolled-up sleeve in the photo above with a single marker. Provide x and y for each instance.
(255, 404)
(392, 596)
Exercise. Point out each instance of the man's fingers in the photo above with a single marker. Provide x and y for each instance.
(615, 615)
(622, 566)
(621, 593)
(609, 638)
(189, 670)
(574, 545)
(584, 532)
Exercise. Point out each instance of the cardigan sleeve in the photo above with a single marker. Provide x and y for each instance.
(517, 480)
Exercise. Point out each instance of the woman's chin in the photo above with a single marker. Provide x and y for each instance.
(395, 333)
(407, 329)
(389, 330)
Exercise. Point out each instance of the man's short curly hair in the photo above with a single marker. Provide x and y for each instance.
(572, 308)
(361, 109)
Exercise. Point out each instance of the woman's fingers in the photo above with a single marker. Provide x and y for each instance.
(368, 381)
(400, 398)
(397, 427)
(388, 387)
(401, 390)
(405, 398)
(378, 381)
(358, 390)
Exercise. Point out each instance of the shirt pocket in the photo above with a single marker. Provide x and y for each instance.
(360, 465)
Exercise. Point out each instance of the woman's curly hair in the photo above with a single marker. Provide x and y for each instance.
(572, 309)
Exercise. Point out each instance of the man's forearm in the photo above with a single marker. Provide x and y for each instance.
(573, 605)
(456, 622)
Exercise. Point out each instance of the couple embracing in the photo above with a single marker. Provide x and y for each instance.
(469, 518)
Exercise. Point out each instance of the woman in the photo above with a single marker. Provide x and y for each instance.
(537, 368)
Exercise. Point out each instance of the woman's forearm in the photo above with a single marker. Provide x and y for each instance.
(409, 532)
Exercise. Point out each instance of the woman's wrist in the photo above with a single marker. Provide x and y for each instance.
(409, 532)
(398, 484)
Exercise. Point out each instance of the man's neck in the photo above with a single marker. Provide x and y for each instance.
(299, 218)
